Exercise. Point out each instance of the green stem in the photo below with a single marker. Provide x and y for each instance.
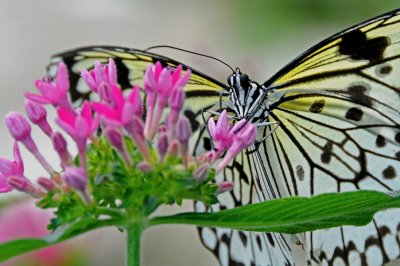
(133, 246)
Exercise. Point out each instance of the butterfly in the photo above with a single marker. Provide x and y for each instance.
(333, 124)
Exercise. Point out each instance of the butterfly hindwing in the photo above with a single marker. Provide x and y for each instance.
(338, 107)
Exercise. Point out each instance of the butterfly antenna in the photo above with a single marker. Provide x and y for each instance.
(191, 52)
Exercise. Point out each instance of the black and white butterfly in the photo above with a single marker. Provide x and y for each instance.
(337, 106)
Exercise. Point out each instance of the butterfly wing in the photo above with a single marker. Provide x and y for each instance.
(338, 108)
(230, 247)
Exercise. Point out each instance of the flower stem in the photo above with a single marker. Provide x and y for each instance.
(133, 246)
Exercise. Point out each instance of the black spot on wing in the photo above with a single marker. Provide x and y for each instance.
(326, 155)
(354, 114)
(317, 106)
(357, 92)
(258, 240)
(207, 144)
(384, 70)
(73, 81)
(397, 155)
(243, 237)
(380, 141)
(397, 137)
(300, 172)
(356, 45)
(270, 239)
(122, 74)
(389, 172)
(192, 118)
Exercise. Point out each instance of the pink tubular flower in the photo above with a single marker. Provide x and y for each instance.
(121, 111)
(80, 125)
(53, 93)
(159, 84)
(10, 168)
(244, 134)
(60, 146)
(37, 115)
(224, 186)
(20, 130)
(100, 74)
(221, 134)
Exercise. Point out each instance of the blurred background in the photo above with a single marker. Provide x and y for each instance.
(258, 36)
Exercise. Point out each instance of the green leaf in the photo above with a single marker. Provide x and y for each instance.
(293, 215)
(17, 247)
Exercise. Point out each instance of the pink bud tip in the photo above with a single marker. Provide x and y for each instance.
(76, 178)
(22, 184)
(177, 99)
(47, 183)
(35, 112)
(201, 173)
(162, 145)
(115, 138)
(224, 186)
(18, 126)
(144, 166)
(59, 142)
(183, 130)
(173, 148)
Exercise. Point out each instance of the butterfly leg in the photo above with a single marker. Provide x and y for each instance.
(258, 142)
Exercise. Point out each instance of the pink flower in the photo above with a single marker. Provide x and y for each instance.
(10, 168)
(53, 93)
(159, 84)
(221, 134)
(22, 219)
(121, 111)
(80, 125)
(100, 74)
(244, 134)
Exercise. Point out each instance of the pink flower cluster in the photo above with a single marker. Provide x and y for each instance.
(118, 114)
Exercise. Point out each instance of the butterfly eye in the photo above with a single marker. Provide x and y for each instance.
(232, 80)
(244, 81)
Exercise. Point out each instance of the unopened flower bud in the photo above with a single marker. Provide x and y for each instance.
(173, 148)
(18, 126)
(162, 145)
(20, 130)
(47, 183)
(205, 157)
(76, 178)
(105, 92)
(60, 145)
(224, 186)
(177, 99)
(114, 136)
(183, 130)
(144, 166)
(201, 173)
(22, 184)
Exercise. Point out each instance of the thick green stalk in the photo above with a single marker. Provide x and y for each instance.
(133, 246)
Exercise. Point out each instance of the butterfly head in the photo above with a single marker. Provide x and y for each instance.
(245, 95)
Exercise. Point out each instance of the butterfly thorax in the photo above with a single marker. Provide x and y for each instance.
(248, 98)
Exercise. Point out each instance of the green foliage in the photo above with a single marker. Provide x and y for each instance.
(293, 215)
(288, 215)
